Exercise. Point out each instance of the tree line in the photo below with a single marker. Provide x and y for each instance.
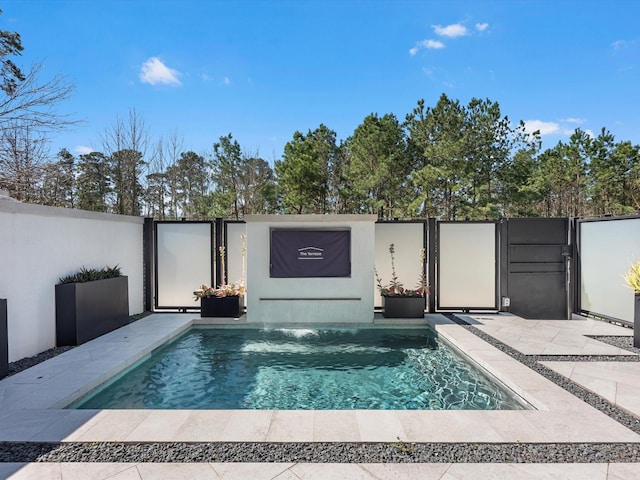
(449, 161)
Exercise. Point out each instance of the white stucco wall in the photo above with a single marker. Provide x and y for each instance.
(310, 300)
(39, 244)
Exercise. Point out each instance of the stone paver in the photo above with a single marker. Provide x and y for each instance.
(306, 471)
(30, 409)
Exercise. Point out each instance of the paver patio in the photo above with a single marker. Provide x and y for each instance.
(31, 401)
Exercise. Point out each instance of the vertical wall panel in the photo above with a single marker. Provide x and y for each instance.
(235, 231)
(467, 265)
(184, 262)
(536, 266)
(310, 300)
(607, 248)
(408, 240)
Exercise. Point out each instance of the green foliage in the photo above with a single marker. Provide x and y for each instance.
(58, 179)
(11, 75)
(92, 274)
(611, 175)
(632, 277)
(380, 166)
(188, 180)
(93, 182)
(461, 155)
(243, 184)
(449, 161)
(304, 175)
(126, 169)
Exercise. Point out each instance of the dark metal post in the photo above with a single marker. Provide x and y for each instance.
(575, 266)
(636, 321)
(431, 258)
(567, 253)
(4, 339)
(503, 259)
(148, 257)
(219, 241)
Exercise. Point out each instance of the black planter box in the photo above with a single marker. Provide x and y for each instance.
(636, 321)
(397, 306)
(4, 340)
(220, 306)
(85, 311)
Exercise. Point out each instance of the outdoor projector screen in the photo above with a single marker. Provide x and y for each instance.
(297, 253)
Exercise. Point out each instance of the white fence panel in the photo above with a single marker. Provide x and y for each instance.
(408, 241)
(236, 259)
(467, 265)
(184, 262)
(607, 249)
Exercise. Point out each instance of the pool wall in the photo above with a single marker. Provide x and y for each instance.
(310, 300)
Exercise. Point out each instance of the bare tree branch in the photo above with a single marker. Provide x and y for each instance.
(34, 104)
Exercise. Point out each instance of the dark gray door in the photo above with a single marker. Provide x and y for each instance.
(536, 267)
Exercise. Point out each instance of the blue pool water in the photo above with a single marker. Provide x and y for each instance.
(315, 369)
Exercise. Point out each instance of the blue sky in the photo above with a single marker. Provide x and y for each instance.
(264, 69)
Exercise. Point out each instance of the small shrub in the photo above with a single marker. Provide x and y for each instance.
(632, 277)
(92, 274)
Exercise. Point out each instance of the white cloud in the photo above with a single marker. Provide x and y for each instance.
(567, 131)
(565, 128)
(429, 72)
(82, 150)
(578, 121)
(430, 44)
(451, 31)
(227, 81)
(154, 72)
(545, 128)
(618, 44)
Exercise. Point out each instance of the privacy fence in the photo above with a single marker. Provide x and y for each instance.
(536, 268)
(533, 267)
(606, 249)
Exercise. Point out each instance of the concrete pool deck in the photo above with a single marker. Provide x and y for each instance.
(31, 408)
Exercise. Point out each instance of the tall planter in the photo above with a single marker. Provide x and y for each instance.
(85, 311)
(636, 321)
(220, 306)
(398, 306)
(4, 340)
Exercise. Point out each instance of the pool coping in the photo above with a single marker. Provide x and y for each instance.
(31, 401)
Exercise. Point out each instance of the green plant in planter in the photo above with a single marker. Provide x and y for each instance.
(632, 277)
(395, 287)
(90, 303)
(92, 274)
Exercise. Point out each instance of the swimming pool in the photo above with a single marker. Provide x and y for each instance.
(310, 368)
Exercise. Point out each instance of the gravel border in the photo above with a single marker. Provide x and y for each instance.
(359, 452)
(321, 452)
(28, 362)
